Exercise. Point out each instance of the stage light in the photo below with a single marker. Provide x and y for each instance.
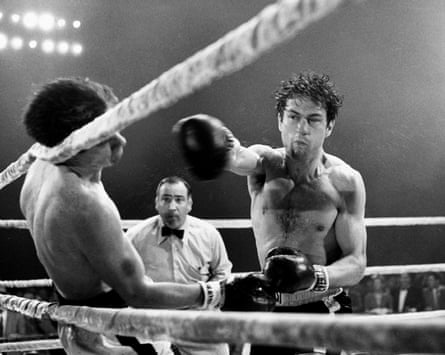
(76, 49)
(32, 44)
(61, 23)
(3, 41)
(48, 46)
(15, 18)
(30, 20)
(63, 47)
(46, 22)
(16, 43)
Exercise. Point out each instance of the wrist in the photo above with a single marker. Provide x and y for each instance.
(212, 294)
(321, 283)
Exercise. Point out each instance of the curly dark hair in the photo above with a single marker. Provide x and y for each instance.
(314, 86)
(64, 105)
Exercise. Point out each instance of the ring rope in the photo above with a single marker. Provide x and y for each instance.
(240, 47)
(26, 306)
(32, 345)
(370, 270)
(345, 331)
(402, 269)
(26, 283)
(240, 223)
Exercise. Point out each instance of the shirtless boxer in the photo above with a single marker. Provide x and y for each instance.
(77, 230)
(307, 206)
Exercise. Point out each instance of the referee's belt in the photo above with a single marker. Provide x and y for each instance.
(303, 297)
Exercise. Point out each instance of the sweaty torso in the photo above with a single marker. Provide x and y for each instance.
(298, 214)
(49, 200)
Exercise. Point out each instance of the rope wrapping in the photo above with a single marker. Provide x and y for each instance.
(275, 24)
(348, 332)
(389, 333)
(28, 307)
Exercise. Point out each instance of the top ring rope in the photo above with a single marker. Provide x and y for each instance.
(345, 331)
(240, 223)
(275, 24)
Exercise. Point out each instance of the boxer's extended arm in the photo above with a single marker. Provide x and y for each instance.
(116, 262)
(350, 231)
(209, 148)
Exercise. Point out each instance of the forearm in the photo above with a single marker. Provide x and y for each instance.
(347, 271)
(166, 295)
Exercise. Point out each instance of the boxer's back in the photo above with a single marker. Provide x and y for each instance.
(49, 200)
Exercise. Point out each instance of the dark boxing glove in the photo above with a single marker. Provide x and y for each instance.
(246, 293)
(249, 293)
(289, 270)
(205, 143)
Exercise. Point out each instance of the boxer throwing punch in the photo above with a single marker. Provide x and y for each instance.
(307, 206)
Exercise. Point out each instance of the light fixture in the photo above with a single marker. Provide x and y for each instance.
(32, 44)
(76, 48)
(15, 18)
(48, 46)
(63, 47)
(16, 43)
(30, 20)
(61, 23)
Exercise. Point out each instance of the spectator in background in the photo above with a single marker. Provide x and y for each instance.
(433, 293)
(177, 247)
(406, 297)
(356, 295)
(379, 300)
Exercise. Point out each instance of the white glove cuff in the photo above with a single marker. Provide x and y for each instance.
(321, 283)
(213, 294)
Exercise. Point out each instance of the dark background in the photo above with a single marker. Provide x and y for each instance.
(386, 57)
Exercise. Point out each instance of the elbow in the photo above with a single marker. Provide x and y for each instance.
(131, 298)
(136, 295)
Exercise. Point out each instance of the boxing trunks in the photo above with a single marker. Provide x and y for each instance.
(76, 340)
(337, 302)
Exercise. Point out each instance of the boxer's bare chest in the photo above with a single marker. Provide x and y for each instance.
(309, 206)
(296, 214)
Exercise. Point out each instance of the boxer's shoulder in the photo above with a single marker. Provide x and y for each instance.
(341, 174)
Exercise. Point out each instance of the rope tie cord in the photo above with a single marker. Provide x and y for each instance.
(275, 24)
(28, 307)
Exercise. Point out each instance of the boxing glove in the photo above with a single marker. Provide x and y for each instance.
(249, 293)
(245, 293)
(205, 143)
(288, 270)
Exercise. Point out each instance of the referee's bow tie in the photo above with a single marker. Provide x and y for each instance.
(167, 231)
